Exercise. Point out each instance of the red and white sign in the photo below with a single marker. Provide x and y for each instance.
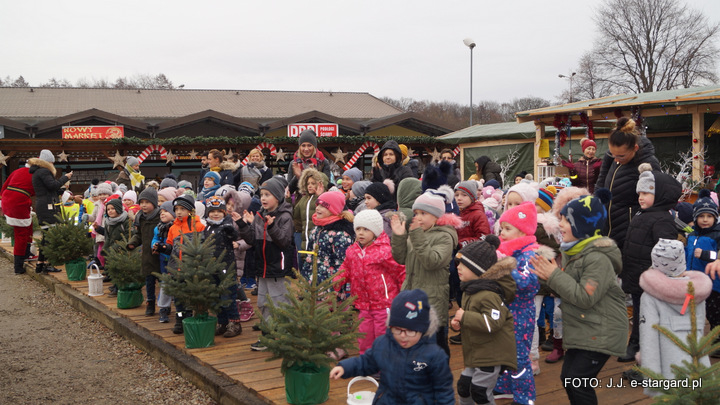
(294, 130)
(94, 132)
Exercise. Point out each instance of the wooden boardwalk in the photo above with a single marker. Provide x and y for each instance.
(234, 358)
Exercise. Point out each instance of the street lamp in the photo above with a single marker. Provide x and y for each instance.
(572, 75)
(470, 44)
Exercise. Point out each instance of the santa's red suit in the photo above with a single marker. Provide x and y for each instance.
(16, 204)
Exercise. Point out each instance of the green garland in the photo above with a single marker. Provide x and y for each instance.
(253, 140)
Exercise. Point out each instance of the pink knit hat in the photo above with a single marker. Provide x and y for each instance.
(523, 217)
(334, 201)
(431, 203)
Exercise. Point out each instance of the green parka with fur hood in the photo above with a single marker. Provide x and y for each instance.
(593, 304)
(305, 207)
(487, 323)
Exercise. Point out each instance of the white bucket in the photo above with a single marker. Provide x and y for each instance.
(95, 281)
(361, 397)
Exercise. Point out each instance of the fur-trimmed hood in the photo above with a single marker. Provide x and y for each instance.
(673, 290)
(501, 273)
(228, 165)
(308, 173)
(450, 220)
(41, 163)
(546, 252)
(551, 223)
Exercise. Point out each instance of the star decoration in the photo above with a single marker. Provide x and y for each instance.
(170, 158)
(118, 159)
(410, 152)
(193, 154)
(339, 156)
(229, 155)
(435, 155)
(3, 159)
(280, 155)
(62, 157)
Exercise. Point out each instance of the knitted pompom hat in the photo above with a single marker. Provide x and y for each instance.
(646, 181)
(526, 190)
(523, 217)
(370, 220)
(431, 203)
(546, 196)
(480, 255)
(704, 204)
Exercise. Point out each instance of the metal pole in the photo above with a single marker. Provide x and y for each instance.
(471, 86)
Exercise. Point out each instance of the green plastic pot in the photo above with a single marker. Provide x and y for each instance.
(75, 269)
(129, 296)
(199, 331)
(307, 384)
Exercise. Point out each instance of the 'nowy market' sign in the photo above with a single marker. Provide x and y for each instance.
(93, 132)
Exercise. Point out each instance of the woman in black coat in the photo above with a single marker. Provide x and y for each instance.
(47, 189)
(619, 174)
(390, 165)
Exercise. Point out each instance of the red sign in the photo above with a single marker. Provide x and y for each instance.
(95, 132)
(294, 130)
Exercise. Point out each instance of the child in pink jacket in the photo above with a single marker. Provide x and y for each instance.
(375, 277)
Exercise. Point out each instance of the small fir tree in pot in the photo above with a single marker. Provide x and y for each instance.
(67, 243)
(302, 332)
(199, 281)
(125, 269)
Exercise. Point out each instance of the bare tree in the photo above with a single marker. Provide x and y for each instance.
(588, 83)
(508, 110)
(651, 45)
(19, 82)
(507, 162)
(53, 82)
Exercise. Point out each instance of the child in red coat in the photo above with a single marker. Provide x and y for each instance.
(375, 277)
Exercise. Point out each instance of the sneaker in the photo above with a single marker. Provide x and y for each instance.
(150, 309)
(250, 284)
(220, 328)
(31, 258)
(254, 291)
(164, 315)
(258, 347)
(113, 291)
(233, 329)
(456, 340)
(246, 311)
(633, 375)
(50, 269)
(500, 395)
(337, 354)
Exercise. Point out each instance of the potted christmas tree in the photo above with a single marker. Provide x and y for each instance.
(68, 243)
(199, 282)
(125, 269)
(302, 332)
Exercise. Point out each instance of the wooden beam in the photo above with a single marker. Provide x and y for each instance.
(698, 145)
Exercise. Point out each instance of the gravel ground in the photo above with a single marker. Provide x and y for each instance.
(51, 353)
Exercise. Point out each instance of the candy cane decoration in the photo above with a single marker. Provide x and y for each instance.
(456, 151)
(261, 146)
(356, 156)
(150, 149)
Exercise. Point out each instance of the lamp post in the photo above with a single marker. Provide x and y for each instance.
(470, 44)
(572, 75)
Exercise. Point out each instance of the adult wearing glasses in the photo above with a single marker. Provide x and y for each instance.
(619, 174)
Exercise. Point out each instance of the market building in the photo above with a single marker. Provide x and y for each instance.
(91, 130)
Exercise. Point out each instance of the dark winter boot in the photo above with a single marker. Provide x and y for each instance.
(39, 268)
(178, 328)
(541, 336)
(150, 310)
(548, 345)
(632, 348)
(557, 354)
(19, 265)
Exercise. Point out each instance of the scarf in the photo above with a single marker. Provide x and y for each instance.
(575, 248)
(136, 179)
(118, 219)
(325, 221)
(508, 247)
(209, 191)
(213, 222)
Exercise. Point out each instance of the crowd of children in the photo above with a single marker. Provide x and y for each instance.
(513, 259)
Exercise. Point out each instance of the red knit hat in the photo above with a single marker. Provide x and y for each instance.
(523, 217)
(334, 201)
(587, 142)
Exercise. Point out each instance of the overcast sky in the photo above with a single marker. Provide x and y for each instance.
(386, 48)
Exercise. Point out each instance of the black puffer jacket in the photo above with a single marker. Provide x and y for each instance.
(272, 243)
(225, 234)
(46, 189)
(646, 228)
(396, 171)
(490, 170)
(621, 180)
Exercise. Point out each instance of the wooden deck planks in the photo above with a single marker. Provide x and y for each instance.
(234, 358)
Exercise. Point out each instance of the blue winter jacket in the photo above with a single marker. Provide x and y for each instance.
(414, 376)
(707, 240)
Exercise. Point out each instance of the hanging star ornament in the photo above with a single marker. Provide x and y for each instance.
(170, 158)
(435, 155)
(340, 156)
(410, 152)
(193, 154)
(280, 155)
(118, 159)
(229, 155)
(62, 156)
(3, 159)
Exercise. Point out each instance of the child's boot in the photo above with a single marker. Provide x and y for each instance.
(233, 329)
(178, 328)
(164, 315)
(150, 310)
(19, 265)
(547, 346)
(246, 311)
(541, 336)
(632, 348)
(557, 354)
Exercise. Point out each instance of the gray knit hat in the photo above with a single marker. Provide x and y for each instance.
(276, 188)
(47, 156)
(185, 201)
(168, 182)
(104, 188)
(429, 202)
(308, 135)
(168, 206)
(359, 188)
(132, 161)
(150, 195)
(117, 204)
(469, 187)
(668, 256)
(354, 173)
(646, 181)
